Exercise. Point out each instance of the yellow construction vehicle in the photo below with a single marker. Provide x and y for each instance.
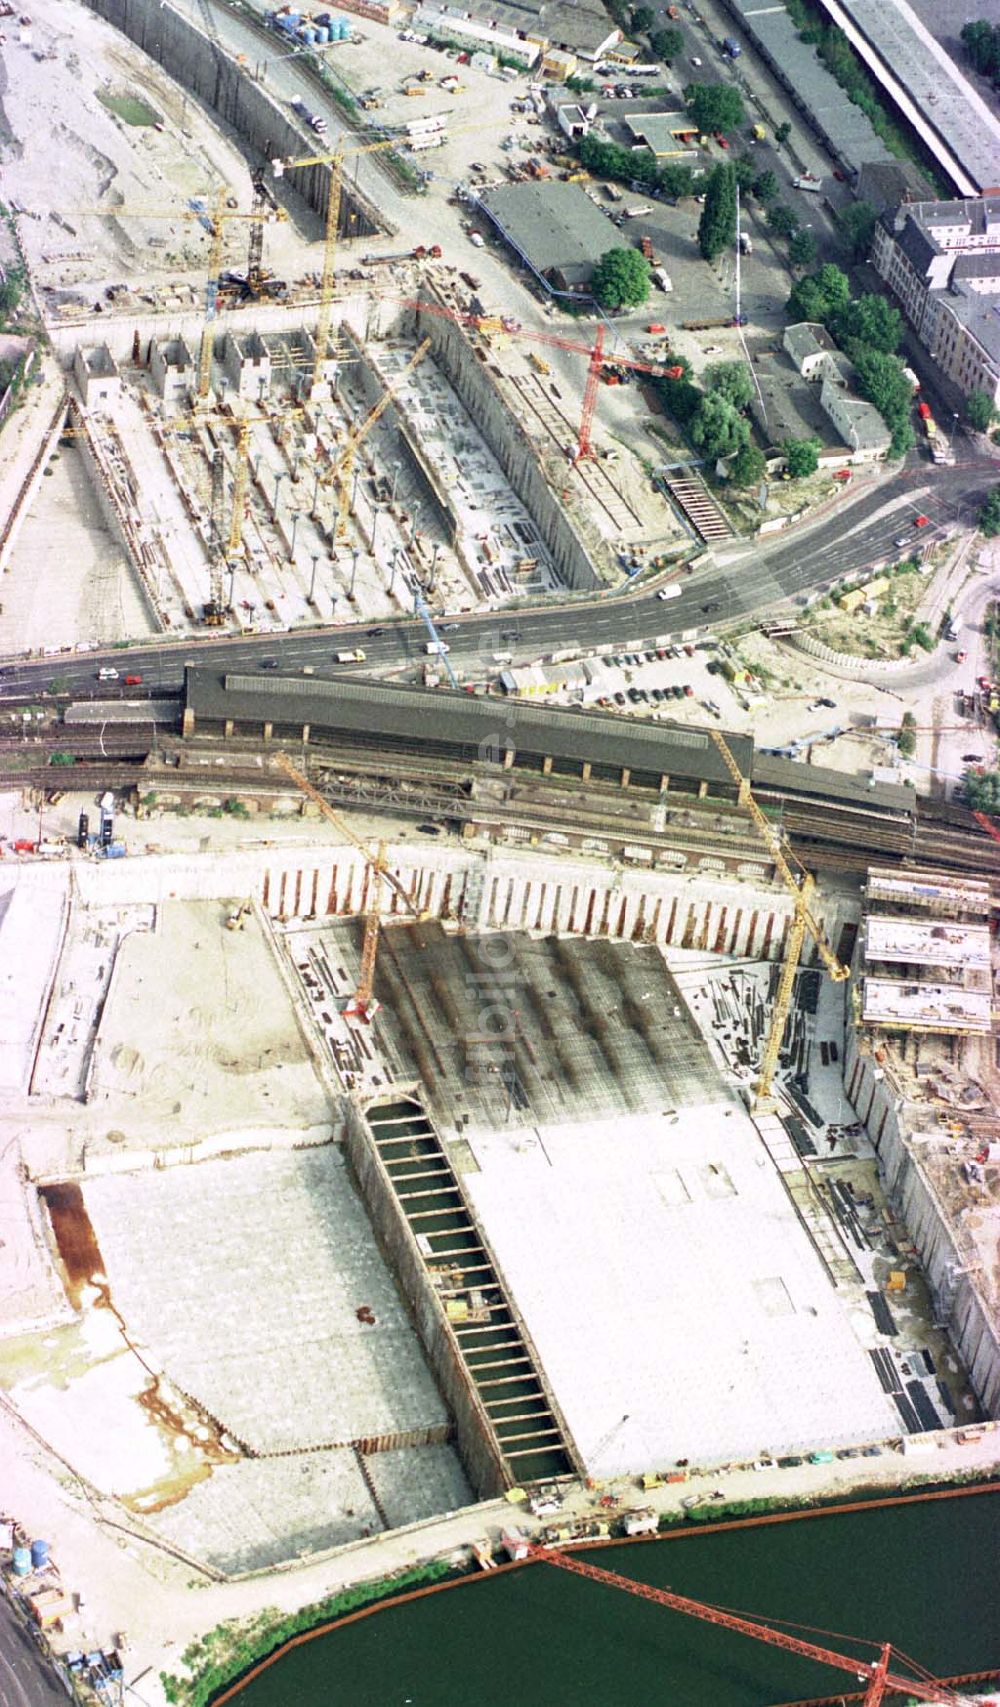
(363, 1006)
(803, 922)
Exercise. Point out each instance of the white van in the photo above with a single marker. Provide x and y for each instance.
(671, 592)
(437, 648)
(107, 674)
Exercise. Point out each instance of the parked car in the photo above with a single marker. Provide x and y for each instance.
(429, 829)
(921, 521)
(268, 664)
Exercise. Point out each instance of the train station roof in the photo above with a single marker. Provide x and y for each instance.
(475, 727)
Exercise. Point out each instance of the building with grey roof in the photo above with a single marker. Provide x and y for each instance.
(942, 261)
(859, 423)
(381, 717)
(555, 229)
(883, 184)
(807, 343)
(951, 117)
(665, 134)
(583, 29)
(840, 125)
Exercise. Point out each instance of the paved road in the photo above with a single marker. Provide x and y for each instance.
(743, 580)
(25, 1681)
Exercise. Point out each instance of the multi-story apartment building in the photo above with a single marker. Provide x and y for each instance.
(942, 261)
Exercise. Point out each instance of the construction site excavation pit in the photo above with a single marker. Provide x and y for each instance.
(627, 1218)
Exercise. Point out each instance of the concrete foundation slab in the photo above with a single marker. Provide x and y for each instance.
(664, 1254)
(246, 1279)
(255, 1515)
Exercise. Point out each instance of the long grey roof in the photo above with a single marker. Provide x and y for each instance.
(819, 95)
(554, 225)
(946, 100)
(400, 712)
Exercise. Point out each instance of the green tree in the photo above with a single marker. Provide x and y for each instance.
(717, 225)
(718, 429)
(766, 187)
(745, 167)
(981, 41)
(621, 279)
(748, 466)
(731, 380)
(857, 222)
(676, 180)
(715, 106)
(801, 457)
(667, 44)
(982, 790)
(902, 439)
(643, 19)
(906, 740)
(818, 296)
(11, 287)
(882, 381)
(802, 249)
(782, 132)
(868, 320)
(989, 516)
(680, 396)
(782, 219)
(979, 411)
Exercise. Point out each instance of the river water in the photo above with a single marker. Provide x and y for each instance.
(922, 1575)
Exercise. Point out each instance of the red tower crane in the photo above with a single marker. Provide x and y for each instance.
(875, 1673)
(597, 358)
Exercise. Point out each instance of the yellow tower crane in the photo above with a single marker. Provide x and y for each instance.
(803, 922)
(265, 211)
(334, 158)
(344, 466)
(363, 1006)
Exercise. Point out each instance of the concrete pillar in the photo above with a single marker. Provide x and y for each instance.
(585, 772)
(305, 734)
(744, 793)
(508, 759)
(547, 765)
(187, 727)
(268, 731)
(230, 726)
(664, 785)
(702, 789)
(626, 776)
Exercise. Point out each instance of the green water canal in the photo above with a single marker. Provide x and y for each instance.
(922, 1575)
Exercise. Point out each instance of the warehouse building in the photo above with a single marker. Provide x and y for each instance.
(555, 230)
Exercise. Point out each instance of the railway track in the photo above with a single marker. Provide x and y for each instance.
(833, 837)
(562, 432)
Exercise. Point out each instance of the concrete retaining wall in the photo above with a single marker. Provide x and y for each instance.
(495, 890)
(512, 447)
(475, 1436)
(184, 53)
(892, 1125)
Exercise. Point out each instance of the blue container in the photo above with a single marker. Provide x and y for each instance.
(321, 34)
(39, 1555)
(308, 36)
(21, 1561)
